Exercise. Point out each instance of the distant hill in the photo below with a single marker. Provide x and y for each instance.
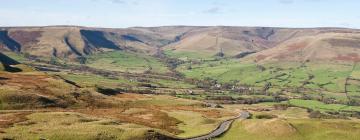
(328, 46)
(279, 43)
(72, 42)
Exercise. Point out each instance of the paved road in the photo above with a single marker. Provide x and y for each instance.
(223, 127)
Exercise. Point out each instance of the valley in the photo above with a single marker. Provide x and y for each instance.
(179, 82)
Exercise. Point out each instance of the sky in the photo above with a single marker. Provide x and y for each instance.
(147, 13)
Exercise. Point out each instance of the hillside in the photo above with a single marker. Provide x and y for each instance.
(73, 42)
(321, 47)
(202, 42)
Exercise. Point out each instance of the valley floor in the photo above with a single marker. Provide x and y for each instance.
(111, 98)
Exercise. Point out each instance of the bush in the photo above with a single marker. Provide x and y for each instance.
(327, 115)
(265, 116)
(108, 91)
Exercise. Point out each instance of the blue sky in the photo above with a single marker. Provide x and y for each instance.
(128, 13)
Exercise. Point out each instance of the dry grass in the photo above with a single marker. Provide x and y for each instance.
(9, 119)
(293, 129)
(67, 125)
(148, 117)
(155, 112)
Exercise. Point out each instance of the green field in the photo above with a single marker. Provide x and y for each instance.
(311, 78)
(90, 80)
(326, 77)
(188, 55)
(194, 123)
(316, 105)
(126, 62)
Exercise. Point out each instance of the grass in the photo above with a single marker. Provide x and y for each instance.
(173, 84)
(293, 129)
(2, 68)
(135, 115)
(289, 113)
(284, 75)
(91, 80)
(356, 73)
(67, 125)
(126, 62)
(161, 100)
(188, 55)
(36, 90)
(314, 77)
(290, 124)
(193, 123)
(15, 56)
(316, 105)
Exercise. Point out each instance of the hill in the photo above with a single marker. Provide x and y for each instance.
(73, 42)
(333, 46)
(201, 42)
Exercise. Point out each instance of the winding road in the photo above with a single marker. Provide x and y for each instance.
(222, 128)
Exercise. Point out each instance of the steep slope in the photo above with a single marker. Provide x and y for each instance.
(72, 42)
(321, 47)
(176, 41)
(61, 42)
(232, 41)
(7, 43)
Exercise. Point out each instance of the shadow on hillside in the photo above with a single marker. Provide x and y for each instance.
(97, 39)
(7, 62)
(9, 68)
(10, 43)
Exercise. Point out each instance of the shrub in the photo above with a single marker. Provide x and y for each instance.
(108, 91)
(265, 116)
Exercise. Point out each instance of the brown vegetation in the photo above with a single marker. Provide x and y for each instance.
(9, 119)
(348, 57)
(297, 46)
(261, 57)
(153, 118)
(26, 37)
